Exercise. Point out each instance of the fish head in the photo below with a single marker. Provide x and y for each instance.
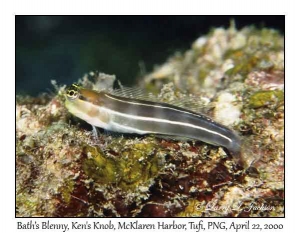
(76, 92)
(85, 104)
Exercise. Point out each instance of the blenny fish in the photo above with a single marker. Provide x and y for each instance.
(117, 113)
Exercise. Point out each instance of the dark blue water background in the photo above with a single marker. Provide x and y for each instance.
(65, 47)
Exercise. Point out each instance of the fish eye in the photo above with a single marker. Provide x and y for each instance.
(72, 92)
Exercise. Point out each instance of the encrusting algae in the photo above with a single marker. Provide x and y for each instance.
(137, 165)
(64, 170)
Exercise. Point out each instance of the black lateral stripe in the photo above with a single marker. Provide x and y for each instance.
(166, 111)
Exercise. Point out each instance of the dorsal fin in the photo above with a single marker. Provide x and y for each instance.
(133, 93)
(129, 92)
(189, 102)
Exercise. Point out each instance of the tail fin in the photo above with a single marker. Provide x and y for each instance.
(247, 153)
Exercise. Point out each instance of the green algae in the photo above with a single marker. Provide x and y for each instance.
(99, 167)
(66, 190)
(264, 98)
(135, 165)
(138, 165)
(244, 63)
